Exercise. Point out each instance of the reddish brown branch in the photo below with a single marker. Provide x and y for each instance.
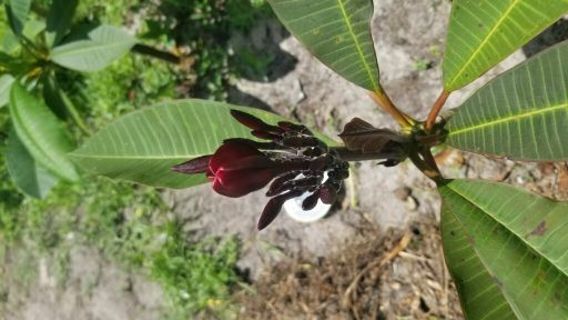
(436, 108)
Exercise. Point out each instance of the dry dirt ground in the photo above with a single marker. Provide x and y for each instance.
(378, 255)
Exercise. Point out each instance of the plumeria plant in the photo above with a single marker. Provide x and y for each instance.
(505, 247)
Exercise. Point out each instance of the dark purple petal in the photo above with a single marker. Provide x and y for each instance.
(230, 152)
(303, 184)
(265, 135)
(273, 207)
(296, 165)
(310, 202)
(253, 122)
(300, 142)
(289, 126)
(319, 164)
(327, 194)
(253, 162)
(313, 152)
(277, 185)
(197, 165)
(254, 144)
(237, 183)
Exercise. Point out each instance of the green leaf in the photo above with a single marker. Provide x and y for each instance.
(506, 250)
(337, 32)
(103, 45)
(6, 81)
(143, 145)
(9, 44)
(523, 114)
(59, 19)
(28, 176)
(33, 28)
(41, 133)
(17, 11)
(482, 33)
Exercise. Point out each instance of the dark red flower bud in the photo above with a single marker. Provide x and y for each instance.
(197, 165)
(241, 166)
(239, 169)
(254, 123)
(327, 193)
(310, 202)
(273, 207)
(236, 169)
(237, 183)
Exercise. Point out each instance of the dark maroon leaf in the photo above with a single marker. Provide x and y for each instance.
(359, 135)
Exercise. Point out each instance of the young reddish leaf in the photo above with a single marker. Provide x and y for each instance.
(359, 135)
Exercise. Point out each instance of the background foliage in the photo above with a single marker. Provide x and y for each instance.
(128, 223)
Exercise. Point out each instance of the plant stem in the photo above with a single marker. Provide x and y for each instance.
(70, 106)
(156, 53)
(424, 160)
(436, 108)
(383, 100)
(429, 158)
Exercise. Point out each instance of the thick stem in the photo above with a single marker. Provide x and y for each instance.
(383, 100)
(429, 158)
(156, 53)
(424, 160)
(436, 108)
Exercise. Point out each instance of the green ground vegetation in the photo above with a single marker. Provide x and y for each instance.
(131, 224)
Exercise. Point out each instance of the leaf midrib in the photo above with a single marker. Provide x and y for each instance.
(501, 223)
(511, 118)
(483, 43)
(29, 136)
(357, 45)
(479, 256)
(127, 157)
(71, 51)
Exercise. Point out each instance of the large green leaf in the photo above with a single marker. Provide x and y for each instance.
(59, 19)
(507, 251)
(103, 45)
(482, 33)
(523, 114)
(41, 133)
(6, 81)
(28, 176)
(143, 146)
(17, 11)
(337, 33)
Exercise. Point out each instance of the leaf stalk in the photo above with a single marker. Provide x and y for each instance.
(435, 111)
(383, 101)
